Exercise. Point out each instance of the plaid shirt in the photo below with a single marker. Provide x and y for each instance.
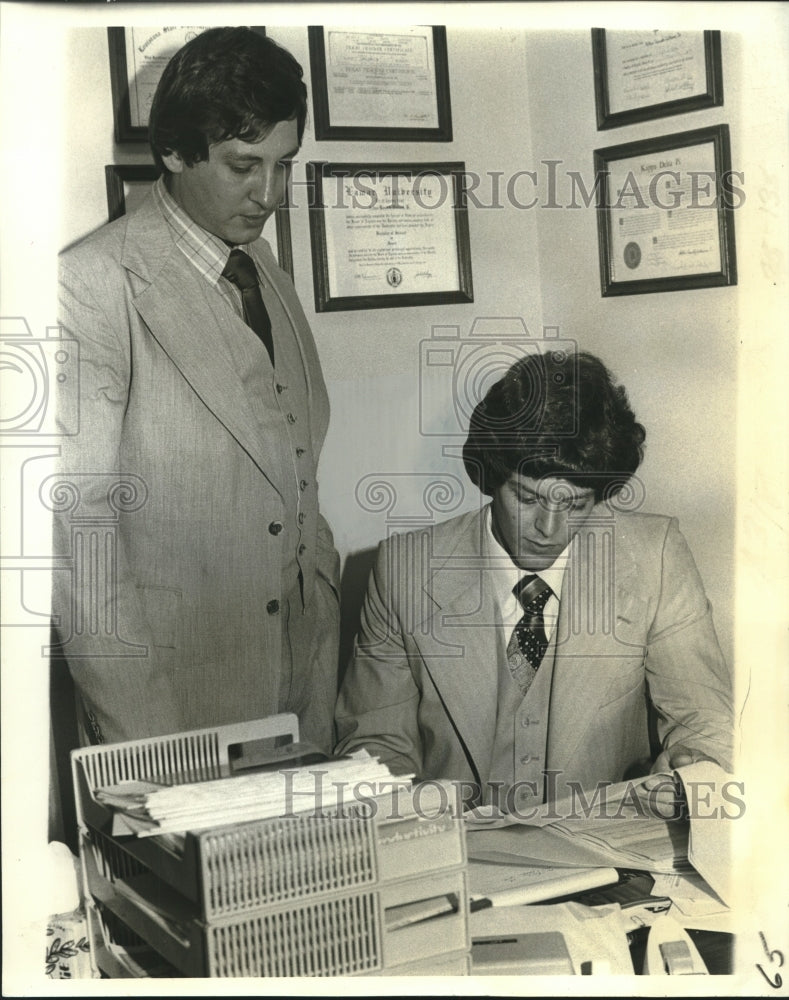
(205, 251)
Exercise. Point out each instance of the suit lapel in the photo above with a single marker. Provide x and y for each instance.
(592, 648)
(460, 644)
(174, 307)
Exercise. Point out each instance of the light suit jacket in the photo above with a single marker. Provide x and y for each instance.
(633, 622)
(168, 501)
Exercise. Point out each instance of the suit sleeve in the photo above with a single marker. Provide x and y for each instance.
(377, 708)
(689, 681)
(100, 619)
(324, 610)
(327, 561)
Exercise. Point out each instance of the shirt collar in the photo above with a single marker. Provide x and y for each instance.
(506, 574)
(206, 252)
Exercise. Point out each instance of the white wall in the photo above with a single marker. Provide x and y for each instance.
(89, 140)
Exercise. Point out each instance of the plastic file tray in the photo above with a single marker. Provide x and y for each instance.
(298, 895)
(338, 933)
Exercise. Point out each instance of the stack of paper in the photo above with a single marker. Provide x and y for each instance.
(151, 809)
(655, 845)
(617, 832)
(614, 827)
(649, 845)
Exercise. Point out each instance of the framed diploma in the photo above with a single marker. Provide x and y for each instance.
(640, 75)
(127, 186)
(137, 59)
(381, 83)
(389, 235)
(666, 213)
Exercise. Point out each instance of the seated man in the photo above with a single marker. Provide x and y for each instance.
(520, 647)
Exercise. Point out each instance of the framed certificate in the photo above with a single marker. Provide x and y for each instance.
(128, 184)
(389, 235)
(640, 75)
(137, 60)
(666, 213)
(387, 84)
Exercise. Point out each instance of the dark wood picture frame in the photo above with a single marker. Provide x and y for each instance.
(326, 300)
(117, 175)
(321, 99)
(727, 197)
(711, 97)
(119, 81)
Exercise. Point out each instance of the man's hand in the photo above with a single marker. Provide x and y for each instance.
(664, 794)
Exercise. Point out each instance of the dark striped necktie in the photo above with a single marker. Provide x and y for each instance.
(240, 269)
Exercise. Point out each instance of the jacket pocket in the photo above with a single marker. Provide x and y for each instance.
(162, 607)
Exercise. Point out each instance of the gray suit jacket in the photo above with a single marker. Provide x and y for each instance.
(170, 603)
(422, 688)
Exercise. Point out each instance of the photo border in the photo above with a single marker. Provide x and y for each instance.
(321, 100)
(325, 300)
(718, 137)
(712, 97)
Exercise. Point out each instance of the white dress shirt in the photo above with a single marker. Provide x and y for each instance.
(504, 575)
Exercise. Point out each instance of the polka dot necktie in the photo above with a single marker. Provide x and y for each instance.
(528, 642)
(240, 269)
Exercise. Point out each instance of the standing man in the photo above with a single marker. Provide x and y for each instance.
(203, 411)
(522, 648)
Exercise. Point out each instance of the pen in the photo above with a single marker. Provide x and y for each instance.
(507, 897)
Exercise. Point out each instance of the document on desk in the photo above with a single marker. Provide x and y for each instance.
(612, 827)
(690, 894)
(709, 847)
(612, 830)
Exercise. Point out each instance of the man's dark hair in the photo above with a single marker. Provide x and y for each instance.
(226, 83)
(565, 418)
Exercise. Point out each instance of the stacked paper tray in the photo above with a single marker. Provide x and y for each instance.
(300, 895)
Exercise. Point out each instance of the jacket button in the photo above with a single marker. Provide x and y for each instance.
(281, 387)
(303, 485)
(301, 517)
(302, 549)
(299, 452)
(272, 607)
(291, 419)
(275, 527)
